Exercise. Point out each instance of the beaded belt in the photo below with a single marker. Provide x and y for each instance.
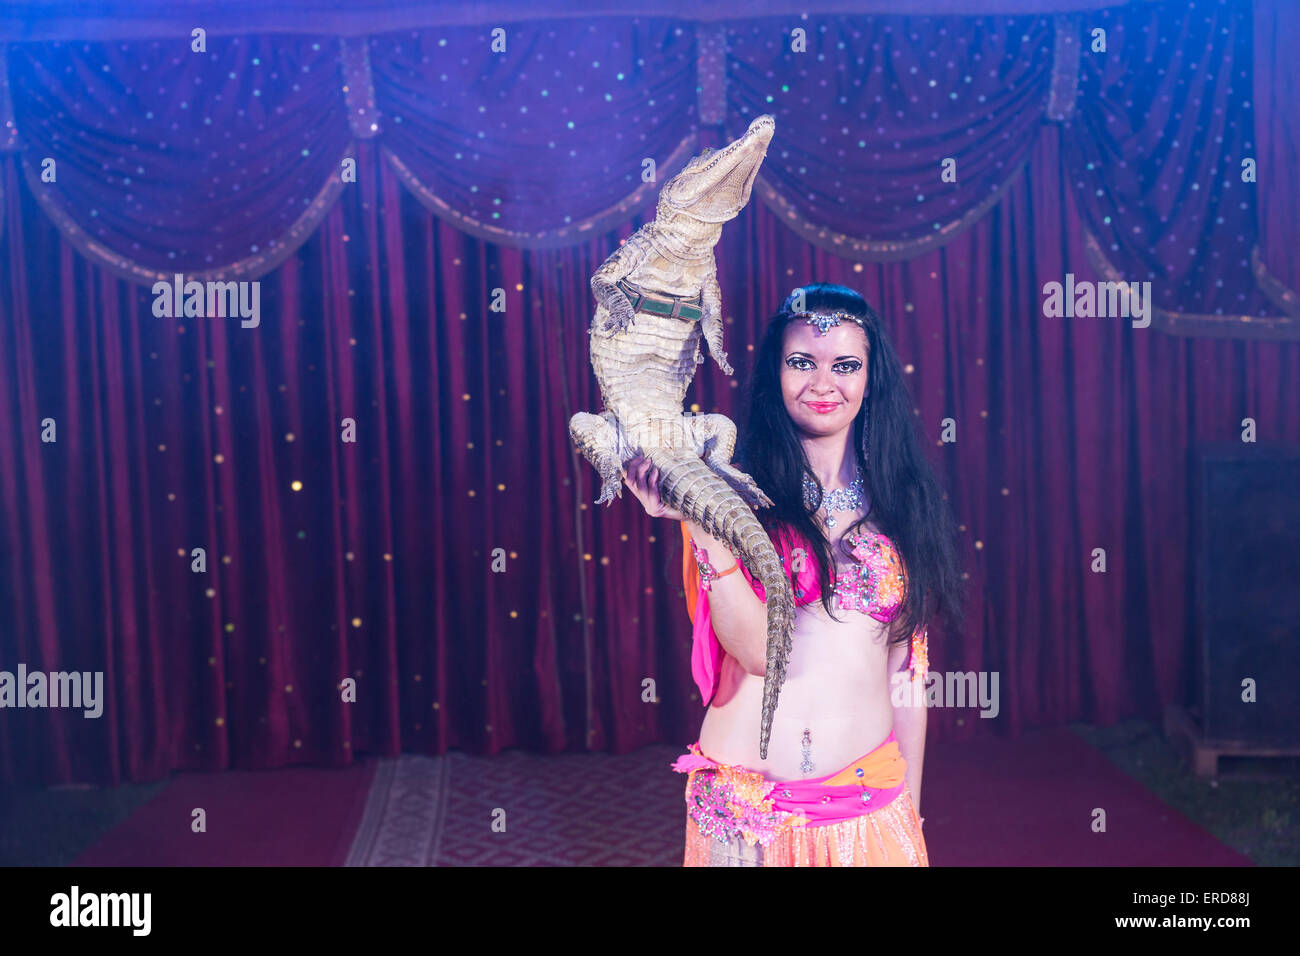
(727, 801)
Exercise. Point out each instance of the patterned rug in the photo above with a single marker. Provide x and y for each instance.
(521, 809)
(987, 802)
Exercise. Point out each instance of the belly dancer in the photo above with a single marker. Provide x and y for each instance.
(866, 537)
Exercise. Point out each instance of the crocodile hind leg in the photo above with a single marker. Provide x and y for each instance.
(716, 434)
(597, 438)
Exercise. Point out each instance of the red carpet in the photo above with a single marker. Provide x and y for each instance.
(293, 817)
(1030, 802)
(1027, 802)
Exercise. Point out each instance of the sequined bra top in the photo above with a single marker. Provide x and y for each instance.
(875, 586)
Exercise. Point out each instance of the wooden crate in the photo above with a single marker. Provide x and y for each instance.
(1203, 753)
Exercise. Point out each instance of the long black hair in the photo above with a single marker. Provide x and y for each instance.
(906, 500)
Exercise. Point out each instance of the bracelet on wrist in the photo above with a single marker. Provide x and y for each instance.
(708, 573)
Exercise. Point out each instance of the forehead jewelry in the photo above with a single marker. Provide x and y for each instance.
(825, 320)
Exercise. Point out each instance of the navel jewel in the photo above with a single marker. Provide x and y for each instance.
(807, 765)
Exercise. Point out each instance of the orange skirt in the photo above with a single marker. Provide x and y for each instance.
(890, 836)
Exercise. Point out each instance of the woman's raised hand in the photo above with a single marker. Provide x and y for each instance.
(643, 478)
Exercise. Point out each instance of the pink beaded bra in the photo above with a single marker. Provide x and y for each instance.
(875, 585)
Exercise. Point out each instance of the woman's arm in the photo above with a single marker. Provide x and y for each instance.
(908, 700)
(739, 618)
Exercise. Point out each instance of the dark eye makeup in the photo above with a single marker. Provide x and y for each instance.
(801, 363)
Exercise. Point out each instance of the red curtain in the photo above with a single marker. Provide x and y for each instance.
(449, 561)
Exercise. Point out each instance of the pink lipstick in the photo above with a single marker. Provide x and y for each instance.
(823, 408)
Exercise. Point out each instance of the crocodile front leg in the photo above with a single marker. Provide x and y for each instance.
(711, 322)
(617, 306)
(597, 438)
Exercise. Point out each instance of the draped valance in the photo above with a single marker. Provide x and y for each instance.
(156, 157)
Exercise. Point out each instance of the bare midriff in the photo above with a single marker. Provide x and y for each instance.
(836, 688)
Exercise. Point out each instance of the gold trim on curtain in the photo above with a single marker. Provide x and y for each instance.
(1194, 324)
(1065, 67)
(883, 250)
(250, 267)
(1278, 293)
(8, 128)
(711, 72)
(563, 236)
(358, 87)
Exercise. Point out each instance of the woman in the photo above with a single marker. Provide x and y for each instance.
(830, 438)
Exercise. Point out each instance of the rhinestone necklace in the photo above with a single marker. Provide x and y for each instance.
(838, 499)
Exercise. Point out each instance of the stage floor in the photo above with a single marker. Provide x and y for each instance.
(988, 802)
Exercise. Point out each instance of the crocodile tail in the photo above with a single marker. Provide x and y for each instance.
(780, 641)
(705, 497)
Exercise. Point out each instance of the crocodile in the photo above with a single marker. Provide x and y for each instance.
(657, 304)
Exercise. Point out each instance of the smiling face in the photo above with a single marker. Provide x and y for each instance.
(823, 377)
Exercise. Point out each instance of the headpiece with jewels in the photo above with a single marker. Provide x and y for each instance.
(824, 320)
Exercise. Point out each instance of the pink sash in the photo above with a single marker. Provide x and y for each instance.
(726, 800)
